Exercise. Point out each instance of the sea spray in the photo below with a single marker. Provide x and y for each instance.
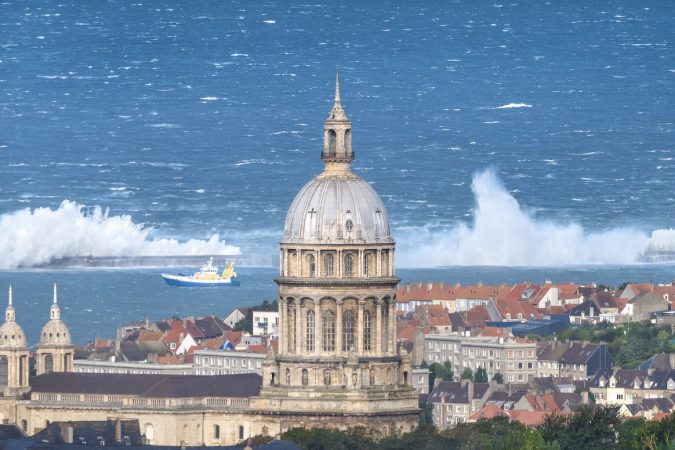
(502, 233)
(30, 238)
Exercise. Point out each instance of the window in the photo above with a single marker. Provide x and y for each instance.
(305, 377)
(326, 377)
(619, 396)
(366, 331)
(241, 432)
(348, 265)
(366, 263)
(311, 265)
(348, 331)
(329, 265)
(332, 139)
(216, 431)
(291, 328)
(309, 333)
(328, 331)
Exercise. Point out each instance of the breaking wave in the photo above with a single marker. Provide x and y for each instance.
(502, 233)
(30, 238)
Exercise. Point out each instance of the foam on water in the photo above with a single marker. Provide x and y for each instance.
(40, 236)
(503, 233)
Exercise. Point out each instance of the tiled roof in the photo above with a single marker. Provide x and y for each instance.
(157, 386)
(455, 392)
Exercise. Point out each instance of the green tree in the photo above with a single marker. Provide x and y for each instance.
(498, 378)
(480, 376)
(591, 427)
(523, 438)
(655, 435)
(467, 373)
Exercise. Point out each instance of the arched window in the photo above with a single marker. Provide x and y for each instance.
(309, 332)
(328, 331)
(66, 362)
(348, 265)
(366, 330)
(22, 369)
(288, 377)
(348, 331)
(241, 432)
(329, 265)
(305, 377)
(24, 425)
(332, 141)
(311, 266)
(4, 372)
(366, 264)
(348, 138)
(216, 431)
(49, 363)
(273, 379)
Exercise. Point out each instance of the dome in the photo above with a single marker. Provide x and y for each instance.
(337, 208)
(12, 335)
(55, 332)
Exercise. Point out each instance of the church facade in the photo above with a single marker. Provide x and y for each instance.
(337, 364)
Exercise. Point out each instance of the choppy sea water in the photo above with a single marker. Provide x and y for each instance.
(94, 302)
(498, 134)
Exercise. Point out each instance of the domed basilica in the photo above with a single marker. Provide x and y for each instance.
(338, 363)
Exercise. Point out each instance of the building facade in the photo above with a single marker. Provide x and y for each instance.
(218, 362)
(515, 359)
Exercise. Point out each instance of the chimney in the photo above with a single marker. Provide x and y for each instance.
(430, 286)
(470, 388)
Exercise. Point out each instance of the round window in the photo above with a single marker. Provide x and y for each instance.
(349, 225)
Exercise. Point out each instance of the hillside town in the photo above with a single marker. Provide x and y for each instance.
(478, 351)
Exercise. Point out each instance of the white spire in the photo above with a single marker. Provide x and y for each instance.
(10, 295)
(337, 85)
(10, 314)
(55, 311)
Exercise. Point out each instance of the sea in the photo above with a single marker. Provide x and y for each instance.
(509, 141)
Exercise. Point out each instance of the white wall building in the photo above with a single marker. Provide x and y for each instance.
(266, 323)
(224, 362)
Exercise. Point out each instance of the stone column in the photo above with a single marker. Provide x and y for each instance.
(318, 337)
(319, 263)
(338, 264)
(379, 262)
(359, 327)
(299, 320)
(360, 263)
(298, 257)
(378, 328)
(392, 328)
(338, 329)
(391, 262)
(283, 326)
(282, 263)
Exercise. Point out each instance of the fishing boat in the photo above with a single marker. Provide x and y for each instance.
(208, 276)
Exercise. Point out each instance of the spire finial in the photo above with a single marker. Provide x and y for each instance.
(337, 85)
(10, 295)
(55, 293)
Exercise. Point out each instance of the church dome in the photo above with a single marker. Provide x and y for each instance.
(11, 333)
(55, 332)
(337, 207)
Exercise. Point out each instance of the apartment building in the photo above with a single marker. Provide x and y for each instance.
(514, 358)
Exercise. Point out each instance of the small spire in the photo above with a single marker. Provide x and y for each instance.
(337, 85)
(10, 295)
(55, 293)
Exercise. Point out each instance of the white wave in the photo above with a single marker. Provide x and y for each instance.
(502, 233)
(514, 105)
(269, 21)
(31, 238)
(164, 125)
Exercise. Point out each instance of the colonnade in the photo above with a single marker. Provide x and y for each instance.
(337, 327)
(338, 263)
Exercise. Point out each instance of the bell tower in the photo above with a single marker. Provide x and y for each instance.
(55, 351)
(13, 354)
